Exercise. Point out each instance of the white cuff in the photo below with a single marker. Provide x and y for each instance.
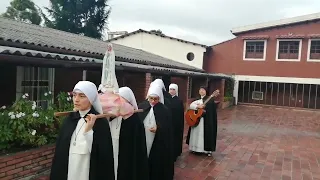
(193, 106)
(89, 138)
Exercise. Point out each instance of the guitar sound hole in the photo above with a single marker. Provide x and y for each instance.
(196, 112)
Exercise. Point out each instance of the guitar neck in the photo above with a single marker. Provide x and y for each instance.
(205, 102)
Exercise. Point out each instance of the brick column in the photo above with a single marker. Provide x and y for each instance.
(182, 82)
(148, 80)
(217, 84)
(221, 88)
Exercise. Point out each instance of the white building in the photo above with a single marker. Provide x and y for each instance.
(179, 50)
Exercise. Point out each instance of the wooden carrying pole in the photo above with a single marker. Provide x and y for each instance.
(104, 115)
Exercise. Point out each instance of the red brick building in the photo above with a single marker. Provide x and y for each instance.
(274, 63)
(35, 60)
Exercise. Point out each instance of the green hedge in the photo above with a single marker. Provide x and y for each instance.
(26, 125)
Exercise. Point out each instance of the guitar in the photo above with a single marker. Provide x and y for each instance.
(193, 117)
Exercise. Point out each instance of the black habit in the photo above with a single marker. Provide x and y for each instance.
(101, 157)
(178, 124)
(210, 126)
(167, 98)
(161, 163)
(133, 158)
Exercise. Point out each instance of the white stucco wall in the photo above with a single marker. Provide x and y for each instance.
(164, 47)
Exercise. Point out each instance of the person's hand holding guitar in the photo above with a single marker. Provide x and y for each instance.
(200, 106)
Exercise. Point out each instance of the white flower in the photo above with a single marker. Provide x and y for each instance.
(18, 115)
(46, 117)
(34, 105)
(12, 116)
(34, 132)
(69, 98)
(45, 94)
(35, 114)
(3, 107)
(10, 113)
(50, 92)
(24, 96)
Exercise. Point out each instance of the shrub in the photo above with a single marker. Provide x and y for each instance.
(25, 124)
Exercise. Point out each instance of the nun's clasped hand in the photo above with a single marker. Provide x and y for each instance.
(153, 129)
(91, 119)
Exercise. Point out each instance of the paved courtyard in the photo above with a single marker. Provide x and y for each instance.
(259, 143)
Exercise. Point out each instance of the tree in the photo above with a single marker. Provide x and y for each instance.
(86, 17)
(23, 10)
(159, 32)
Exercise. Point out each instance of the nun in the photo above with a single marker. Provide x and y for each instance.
(166, 95)
(158, 130)
(129, 143)
(203, 137)
(177, 120)
(84, 145)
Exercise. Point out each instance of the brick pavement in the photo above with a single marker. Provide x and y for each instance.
(259, 143)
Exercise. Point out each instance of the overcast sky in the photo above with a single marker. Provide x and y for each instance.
(203, 21)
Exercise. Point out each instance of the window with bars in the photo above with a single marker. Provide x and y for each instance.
(36, 81)
(254, 49)
(315, 49)
(288, 49)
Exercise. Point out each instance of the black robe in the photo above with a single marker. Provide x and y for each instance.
(167, 99)
(132, 158)
(178, 125)
(210, 126)
(101, 157)
(161, 163)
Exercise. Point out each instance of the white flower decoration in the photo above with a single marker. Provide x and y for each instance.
(3, 107)
(45, 94)
(12, 116)
(24, 96)
(50, 92)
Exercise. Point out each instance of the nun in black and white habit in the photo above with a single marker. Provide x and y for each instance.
(129, 143)
(203, 137)
(159, 139)
(84, 145)
(177, 119)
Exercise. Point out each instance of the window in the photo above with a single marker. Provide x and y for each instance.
(254, 50)
(289, 50)
(36, 81)
(314, 50)
(257, 95)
